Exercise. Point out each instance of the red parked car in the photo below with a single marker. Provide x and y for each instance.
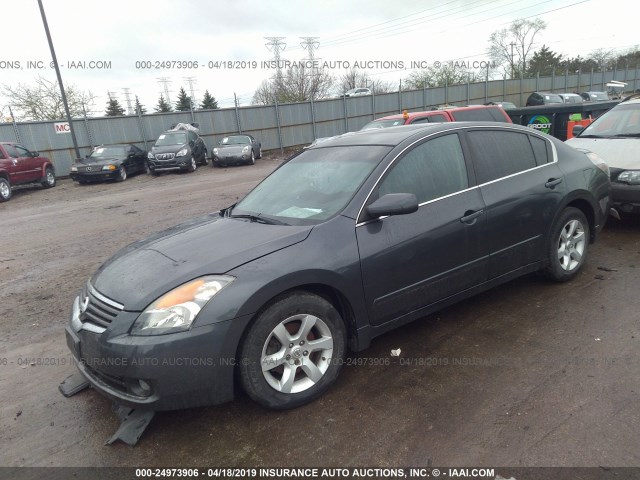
(18, 165)
(473, 113)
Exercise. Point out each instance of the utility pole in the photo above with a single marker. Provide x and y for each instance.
(57, 68)
(310, 44)
(165, 81)
(276, 45)
(127, 96)
(512, 69)
(190, 81)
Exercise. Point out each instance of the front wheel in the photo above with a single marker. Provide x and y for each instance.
(49, 179)
(5, 189)
(123, 174)
(293, 352)
(193, 165)
(568, 245)
(252, 160)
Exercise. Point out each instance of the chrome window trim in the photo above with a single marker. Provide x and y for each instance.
(553, 150)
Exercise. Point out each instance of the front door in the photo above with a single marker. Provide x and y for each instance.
(411, 261)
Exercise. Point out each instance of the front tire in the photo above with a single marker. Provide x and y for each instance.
(193, 166)
(49, 179)
(5, 189)
(122, 174)
(293, 351)
(568, 245)
(252, 160)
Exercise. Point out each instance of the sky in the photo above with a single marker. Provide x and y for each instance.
(127, 41)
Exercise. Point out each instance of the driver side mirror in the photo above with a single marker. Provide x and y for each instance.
(392, 204)
(35, 154)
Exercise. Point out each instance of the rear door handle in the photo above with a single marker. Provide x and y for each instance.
(552, 182)
(470, 216)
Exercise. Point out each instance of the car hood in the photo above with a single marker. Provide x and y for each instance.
(617, 152)
(231, 149)
(168, 148)
(145, 270)
(98, 161)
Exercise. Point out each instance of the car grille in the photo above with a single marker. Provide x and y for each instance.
(96, 308)
(165, 156)
(88, 169)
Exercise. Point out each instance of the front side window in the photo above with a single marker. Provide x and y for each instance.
(22, 152)
(498, 154)
(430, 170)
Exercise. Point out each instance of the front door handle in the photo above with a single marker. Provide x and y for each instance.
(470, 216)
(552, 182)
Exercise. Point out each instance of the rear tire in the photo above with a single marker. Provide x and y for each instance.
(49, 179)
(5, 189)
(568, 245)
(205, 160)
(293, 352)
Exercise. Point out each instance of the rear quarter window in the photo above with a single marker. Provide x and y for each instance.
(540, 150)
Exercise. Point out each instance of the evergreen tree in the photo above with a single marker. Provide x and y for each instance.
(544, 61)
(114, 109)
(184, 101)
(163, 106)
(209, 102)
(139, 107)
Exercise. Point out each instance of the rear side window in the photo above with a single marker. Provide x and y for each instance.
(473, 115)
(499, 154)
(420, 120)
(431, 170)
(539, 150)
(2, 154)
(497, 115)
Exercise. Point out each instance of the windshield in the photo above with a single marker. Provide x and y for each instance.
(623, 120)
(550, 98)
(598, 96)
(108, 152)
(314, 186)
(178, 138)
(383, 123)
(236, 140)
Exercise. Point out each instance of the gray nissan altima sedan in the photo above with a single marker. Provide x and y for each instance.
(343, 242)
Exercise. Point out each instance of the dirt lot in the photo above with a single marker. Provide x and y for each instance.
(531, 373)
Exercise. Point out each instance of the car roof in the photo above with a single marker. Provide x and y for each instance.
(114, 145)
(393, 136)
(396, 116)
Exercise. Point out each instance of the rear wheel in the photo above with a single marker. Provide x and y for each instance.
(293, 352)
(259, 152)
(568, 245)
(49, 179)
(5, 189)
(204, 160)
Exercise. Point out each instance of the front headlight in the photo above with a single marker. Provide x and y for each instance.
(182, 152)
(109, 167)
(215, 151)
(176, 310)
(150, 156)
(74, 169)
(632, 177)
(245, 149)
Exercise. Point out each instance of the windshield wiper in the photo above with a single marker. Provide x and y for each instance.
(627, 135)
(259, 219)
(594, 136)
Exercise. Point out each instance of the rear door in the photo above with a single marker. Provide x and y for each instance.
(522, 188)
(409, 262)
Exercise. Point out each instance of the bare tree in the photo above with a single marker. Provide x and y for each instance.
(43, 100)
(602, 57)
(513, 45)
(355, 78)
(297, 84)
(450, 73)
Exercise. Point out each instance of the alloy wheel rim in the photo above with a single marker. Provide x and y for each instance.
(297, 353)
(571, 245)
(51, 179)
(123, 173)
(4, 190)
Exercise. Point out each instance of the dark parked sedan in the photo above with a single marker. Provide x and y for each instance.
(340, 244)
(236, 149)
(109, 162)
